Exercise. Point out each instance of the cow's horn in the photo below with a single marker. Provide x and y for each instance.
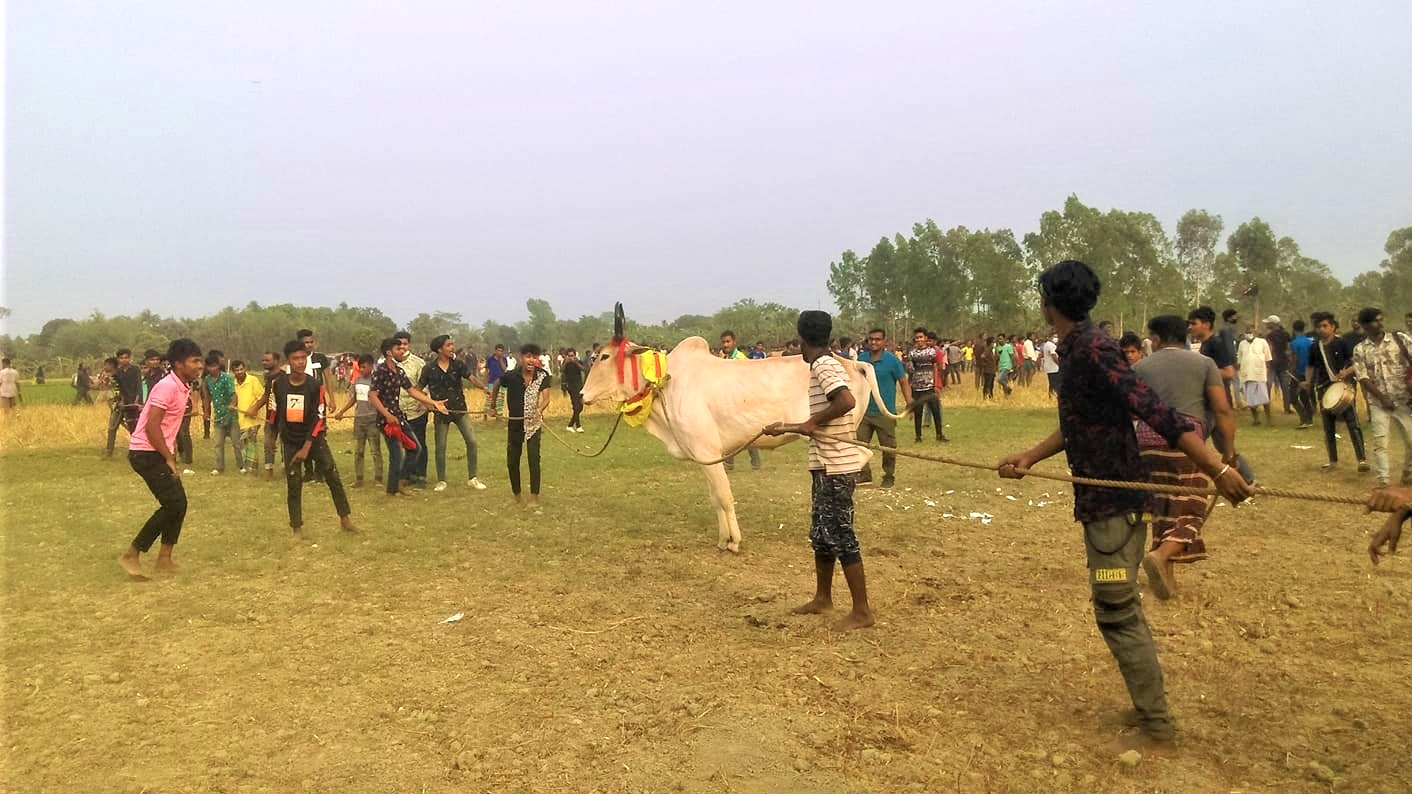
(618, 322)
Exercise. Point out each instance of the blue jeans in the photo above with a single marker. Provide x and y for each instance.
(442, 427)
(228, 430)
(416, 466)
(396, 458)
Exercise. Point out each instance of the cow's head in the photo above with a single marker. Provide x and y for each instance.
(614, 375)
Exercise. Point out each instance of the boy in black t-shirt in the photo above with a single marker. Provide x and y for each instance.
(526, 396)
(300, 405)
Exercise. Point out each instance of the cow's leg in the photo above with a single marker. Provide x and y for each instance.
(718, 485)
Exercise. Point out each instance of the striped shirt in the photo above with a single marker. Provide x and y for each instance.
(827, 376)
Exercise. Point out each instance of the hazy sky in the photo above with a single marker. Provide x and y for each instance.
(464, 156)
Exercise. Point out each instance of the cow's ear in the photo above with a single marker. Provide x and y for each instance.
(618, 322)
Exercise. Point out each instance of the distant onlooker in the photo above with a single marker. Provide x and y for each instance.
(82, 382)
(9, 386)
(571, 376)
(127, 396)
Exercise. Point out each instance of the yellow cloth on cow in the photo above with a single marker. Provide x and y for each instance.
(653, 366)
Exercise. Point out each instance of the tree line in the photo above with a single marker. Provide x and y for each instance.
(962, 281)
(958, 282)
(244, 333)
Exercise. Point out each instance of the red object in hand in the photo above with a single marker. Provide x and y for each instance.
(396, 433)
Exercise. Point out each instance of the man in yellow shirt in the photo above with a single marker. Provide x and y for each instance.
(249, 400)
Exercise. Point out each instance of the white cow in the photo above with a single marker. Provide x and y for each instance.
(712, 406)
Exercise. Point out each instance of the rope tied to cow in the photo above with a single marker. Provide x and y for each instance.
(570, 447)
(1175, 490)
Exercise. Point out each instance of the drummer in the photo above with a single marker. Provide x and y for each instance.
(1329, 375)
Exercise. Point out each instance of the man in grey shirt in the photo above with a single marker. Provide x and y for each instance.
(1191, 384)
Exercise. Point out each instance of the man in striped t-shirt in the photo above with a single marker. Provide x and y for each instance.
(833, 464)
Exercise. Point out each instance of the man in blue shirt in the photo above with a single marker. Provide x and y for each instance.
(1299, 348)
(890, 373)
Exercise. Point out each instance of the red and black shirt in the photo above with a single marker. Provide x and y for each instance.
(1099, 396)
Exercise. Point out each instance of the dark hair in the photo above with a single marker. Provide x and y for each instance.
(500, 347)
(1130, 339)
(181, 350)
(1203, 313)
(291, 347)
(212, 358)
(237, 364)
(304, 333)
(366, 360)
(844, 341)
(402, 335)
(111, 360)
(1369, 314)
(122, 351)
(151, 352)
(569, 351)
(1319, 317)
(531, 349)
(1071, 287)
(919, 330)
(387, 345)
(4, 362)
(872, 331)
(1298, 326)
(814, 327)
(1169, 328)
(275, 354)
(1106, 324)
(438, 342)
(1229, 314)
(727, 333)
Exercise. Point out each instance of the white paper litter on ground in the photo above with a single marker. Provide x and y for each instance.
(454, 617)
(1300, 446)
(929, 503)
(1011, 498)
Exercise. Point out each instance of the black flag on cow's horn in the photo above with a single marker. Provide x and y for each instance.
(618, 322)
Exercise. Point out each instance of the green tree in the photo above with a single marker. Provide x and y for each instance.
(1257, 254)
(1198, 234)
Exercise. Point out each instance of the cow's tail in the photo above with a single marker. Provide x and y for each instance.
(875, 391)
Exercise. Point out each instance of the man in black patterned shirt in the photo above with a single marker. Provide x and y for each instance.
(1099, 396)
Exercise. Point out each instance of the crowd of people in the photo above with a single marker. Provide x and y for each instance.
(286, 409)
(1159, 407)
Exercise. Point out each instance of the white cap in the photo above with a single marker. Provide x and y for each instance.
(1273, 319)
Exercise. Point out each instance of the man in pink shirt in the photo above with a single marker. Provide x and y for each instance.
(150, 452)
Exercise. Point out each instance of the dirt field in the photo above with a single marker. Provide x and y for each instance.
(607, 646)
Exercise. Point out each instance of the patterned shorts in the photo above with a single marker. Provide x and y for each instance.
(831, 528)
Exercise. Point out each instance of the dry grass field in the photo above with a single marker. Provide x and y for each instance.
(607, 646)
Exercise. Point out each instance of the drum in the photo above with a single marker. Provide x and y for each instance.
(1338, 397)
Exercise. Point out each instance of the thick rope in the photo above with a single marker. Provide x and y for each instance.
(567, 445)
(1176, 490)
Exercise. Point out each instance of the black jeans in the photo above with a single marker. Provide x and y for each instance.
(988, 385)
(514, 444)
(171, 500)
(929, 401)
(576, 400)
(322, 459)
(184, 448)
(1349, 416)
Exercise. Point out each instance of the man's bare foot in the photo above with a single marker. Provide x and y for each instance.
(857, 619)
(130, 563)
(298, 532)
(816, 607)
(347, 523)
(165, 565)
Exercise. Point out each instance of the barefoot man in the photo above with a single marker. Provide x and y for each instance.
(1099, 396)
(150, 452)
(834, 467)
(300, 403)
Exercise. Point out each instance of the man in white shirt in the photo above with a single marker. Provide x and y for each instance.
(1252, 367)
(1049, 360)
(9, 387)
